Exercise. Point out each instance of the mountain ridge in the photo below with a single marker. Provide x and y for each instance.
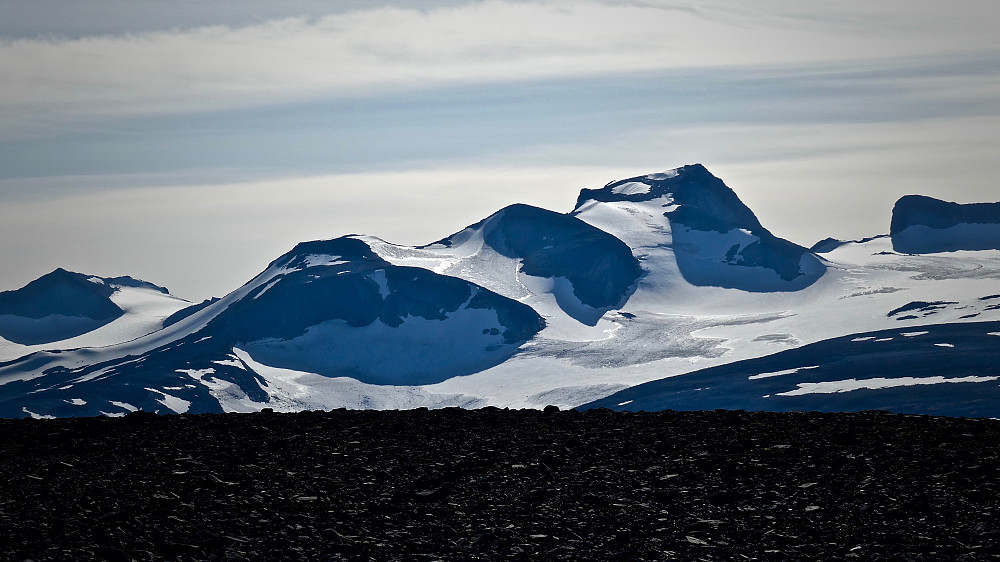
(660, 275)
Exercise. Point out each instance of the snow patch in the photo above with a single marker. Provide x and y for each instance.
(268, 286)
(177, 405)
(631, 188)
(97, 373)
(229, 363)
(383, 283)
(124, 406)
(316, 260)
(850, 385)
(665, 175)
(196, 374)
(781, 373)
(35, 416)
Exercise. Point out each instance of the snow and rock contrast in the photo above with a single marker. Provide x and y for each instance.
(924, 225)
(664, 277)
(327, 310)
(714, 238)
(571, 272)
(55, 307)
(66, 309)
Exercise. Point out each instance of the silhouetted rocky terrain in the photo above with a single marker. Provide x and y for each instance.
(496, 484)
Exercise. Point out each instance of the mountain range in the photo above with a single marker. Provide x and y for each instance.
(657, 291)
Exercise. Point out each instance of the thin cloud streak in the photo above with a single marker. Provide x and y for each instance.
(368, 51)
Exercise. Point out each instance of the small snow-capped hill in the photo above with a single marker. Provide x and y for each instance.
(62, 305)
(715, 239)
(554, 262)
(924, 225)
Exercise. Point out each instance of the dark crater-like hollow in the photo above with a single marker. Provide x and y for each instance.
(496, 484)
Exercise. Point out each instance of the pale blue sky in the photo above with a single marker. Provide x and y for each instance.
(190, 143)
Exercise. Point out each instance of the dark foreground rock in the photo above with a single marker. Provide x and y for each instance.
(496, 484)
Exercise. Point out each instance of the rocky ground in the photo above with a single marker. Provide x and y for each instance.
(496, 484)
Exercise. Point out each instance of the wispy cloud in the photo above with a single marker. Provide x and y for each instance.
(365, 52)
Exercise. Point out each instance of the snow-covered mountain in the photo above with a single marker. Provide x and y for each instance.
(63, 310)
(924, 225)
(664, 277)
(690, 218)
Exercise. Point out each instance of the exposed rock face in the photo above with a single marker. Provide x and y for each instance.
(923, 225)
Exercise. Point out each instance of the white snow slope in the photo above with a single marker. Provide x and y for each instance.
(145, 309)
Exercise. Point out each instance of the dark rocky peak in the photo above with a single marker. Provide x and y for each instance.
(126, 281)
(704, 212)
(62, 293)
(923, 224)
(912, 210)
(346, 248)
(704, 201)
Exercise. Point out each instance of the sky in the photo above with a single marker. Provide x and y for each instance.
(190, 143)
